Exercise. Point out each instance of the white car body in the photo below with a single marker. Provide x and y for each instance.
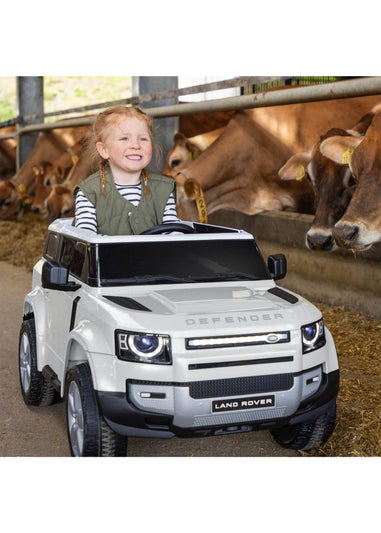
(231, 354)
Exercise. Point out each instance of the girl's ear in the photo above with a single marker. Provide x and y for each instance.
(102, 150)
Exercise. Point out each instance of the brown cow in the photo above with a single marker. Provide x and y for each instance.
(333, 185)
(197, 132)
(185, 149)
(16, 193)
(240, 171)
(60, 201)
(360, 226)
(41, 172)
(53, 173)
(235, 174)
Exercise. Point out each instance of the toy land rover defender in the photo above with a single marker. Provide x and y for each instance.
(180, 331)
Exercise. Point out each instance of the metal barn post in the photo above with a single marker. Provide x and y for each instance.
(164, 128)
(30, 94)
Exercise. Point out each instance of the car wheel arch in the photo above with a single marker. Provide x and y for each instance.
(76, 354)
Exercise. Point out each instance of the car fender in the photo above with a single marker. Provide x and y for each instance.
(87, 342)
(34, 305)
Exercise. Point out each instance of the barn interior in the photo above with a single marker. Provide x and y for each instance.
(341, 281)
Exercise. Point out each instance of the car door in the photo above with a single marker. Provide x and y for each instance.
(61, 305)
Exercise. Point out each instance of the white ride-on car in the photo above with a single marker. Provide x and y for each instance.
(180, 331)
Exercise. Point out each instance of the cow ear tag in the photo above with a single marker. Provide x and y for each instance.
(346, 157)
(300, 172)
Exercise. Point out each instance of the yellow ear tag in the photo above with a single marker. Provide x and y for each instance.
(194, 154)
(346, 157)
(74, 159)
(21, 188)
(300, 172)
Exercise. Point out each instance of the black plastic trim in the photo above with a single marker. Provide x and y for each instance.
(198, 366)
(129, 303)
(281, 293)
(52, 377)
(74, 312)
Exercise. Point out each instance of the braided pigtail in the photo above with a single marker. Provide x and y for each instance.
(145, 179)
(102, 170)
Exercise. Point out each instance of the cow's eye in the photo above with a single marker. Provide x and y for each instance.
(175, 163)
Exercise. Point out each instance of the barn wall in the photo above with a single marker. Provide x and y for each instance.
(337, 278)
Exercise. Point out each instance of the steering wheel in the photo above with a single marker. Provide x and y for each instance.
(168, 228)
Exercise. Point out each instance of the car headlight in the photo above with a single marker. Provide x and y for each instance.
(142, 347)
(313, 336)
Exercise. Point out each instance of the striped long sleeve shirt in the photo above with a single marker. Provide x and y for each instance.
(85, 212)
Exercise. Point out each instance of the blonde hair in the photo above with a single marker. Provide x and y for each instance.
(109, 118)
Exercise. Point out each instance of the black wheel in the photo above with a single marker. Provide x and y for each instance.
(168, 228)
(35, 389)
(89, 435)
(306, 436)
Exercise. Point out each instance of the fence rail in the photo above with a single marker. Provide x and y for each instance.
(243, 81)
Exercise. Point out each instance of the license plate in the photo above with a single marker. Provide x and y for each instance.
(233, 404)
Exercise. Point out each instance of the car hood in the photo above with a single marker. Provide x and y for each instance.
(202, 310)
(190, 300)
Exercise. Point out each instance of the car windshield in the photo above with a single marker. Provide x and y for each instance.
(180, 262)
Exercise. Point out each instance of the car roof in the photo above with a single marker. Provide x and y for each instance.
(64, 226)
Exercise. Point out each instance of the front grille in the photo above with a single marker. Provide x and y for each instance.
(240, 386)
(254, 339)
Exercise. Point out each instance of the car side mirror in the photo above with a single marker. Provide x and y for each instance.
(277, 265)
(55, 276)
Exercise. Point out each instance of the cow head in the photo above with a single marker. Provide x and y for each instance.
(180, 155)
(360, 226)
(14, 199)
(333, 187)
(190, 198)
(8, 193)
(60, 202)
(44, 177)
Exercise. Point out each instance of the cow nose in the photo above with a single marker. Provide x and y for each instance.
(345, 233)
(324, 242)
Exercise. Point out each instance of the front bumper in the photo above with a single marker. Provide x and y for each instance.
(165, 410)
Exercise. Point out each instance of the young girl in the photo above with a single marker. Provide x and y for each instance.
(122, 197)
